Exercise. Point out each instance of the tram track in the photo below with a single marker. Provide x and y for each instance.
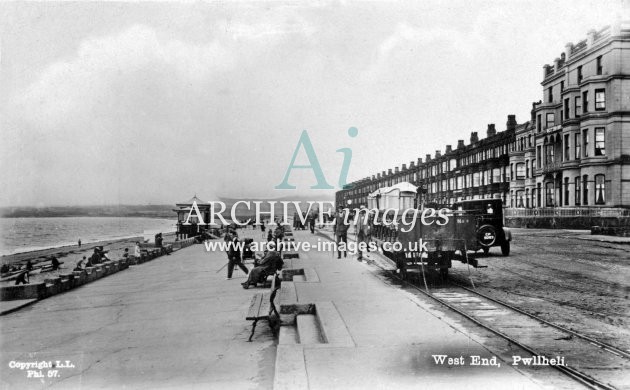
(595, 364)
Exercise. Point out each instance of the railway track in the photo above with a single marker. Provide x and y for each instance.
(594, 364)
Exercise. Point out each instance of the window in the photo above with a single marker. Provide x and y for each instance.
(549, 194)
(538, 157)
(539, 123)
(460, 182)
(578, 190)
(600, 141)
(600, 189)
(567, 149)
(566, 191)
(578, 148)
(562, 86)
(585, 101)
(533, 168)
(511, 172)
(527, 168)
(550, 96)
(566, 108)
(600, 99)
(578, 106)
(585, 190)
(585, 142)
(496, 175)
(551, 120)
(579, 74)
(538, 192)
(520, 171)
(600, 68)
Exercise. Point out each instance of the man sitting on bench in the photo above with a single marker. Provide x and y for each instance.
(269, 264)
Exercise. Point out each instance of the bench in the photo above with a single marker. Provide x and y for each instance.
(262, 306)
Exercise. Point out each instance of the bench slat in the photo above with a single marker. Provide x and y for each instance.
(265, 306)
(254, 307)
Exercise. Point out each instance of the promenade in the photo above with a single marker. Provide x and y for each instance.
(176, 322)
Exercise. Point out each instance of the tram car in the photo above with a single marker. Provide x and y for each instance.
(471, 225)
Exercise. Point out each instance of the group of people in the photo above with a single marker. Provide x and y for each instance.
(341, 226)
(267, 264)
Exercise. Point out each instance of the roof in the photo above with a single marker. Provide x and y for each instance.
(190, 201)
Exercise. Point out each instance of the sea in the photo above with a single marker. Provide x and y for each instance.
(19, 235)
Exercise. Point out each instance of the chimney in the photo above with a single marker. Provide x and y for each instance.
(546, 68)
(419, 161)
(412, 165)
(438, 154)
(511, 122)
(373, 177)
(384, 173)
(449, 149)
(474, 137)
(568, 48)
(396, 170)
(460, 144)
(428, 157)
(378, 175)
(492, 131)
(389, 171)
(404, 167)
(590, 38)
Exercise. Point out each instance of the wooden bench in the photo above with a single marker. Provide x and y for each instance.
(262, 306)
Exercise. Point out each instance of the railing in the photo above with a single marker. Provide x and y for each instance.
(567, 212)
(552, 167)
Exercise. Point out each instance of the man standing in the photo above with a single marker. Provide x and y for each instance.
(234, 254)
(362, 227)
(340, 228)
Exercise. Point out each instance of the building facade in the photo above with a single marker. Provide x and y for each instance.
(573, 152)
(479, 170)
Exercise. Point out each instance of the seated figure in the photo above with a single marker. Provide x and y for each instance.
(269, 264)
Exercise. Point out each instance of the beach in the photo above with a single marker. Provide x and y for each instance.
(70, 255)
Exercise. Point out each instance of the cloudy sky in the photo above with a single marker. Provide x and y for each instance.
(108, 103)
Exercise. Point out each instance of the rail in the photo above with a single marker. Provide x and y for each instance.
(567, 212)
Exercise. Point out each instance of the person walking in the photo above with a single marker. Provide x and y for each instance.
(340, 229)
(362, 229)
(234, 255)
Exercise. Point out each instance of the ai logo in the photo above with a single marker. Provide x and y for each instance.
(305, 143)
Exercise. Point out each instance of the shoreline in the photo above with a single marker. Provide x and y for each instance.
(68, 252)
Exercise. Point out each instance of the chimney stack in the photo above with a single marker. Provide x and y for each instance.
(389, 171)
(438, 154)
(396, 169)
(412, 165)
(511, 122)
(491, 130)
(378, 175)
(428, 157)
(419, 161)
(568, 48)
(474, 137)
(404, 167)
(590, 38)
(460, 144)
(448, 149)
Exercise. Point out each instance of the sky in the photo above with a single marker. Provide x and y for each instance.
(151, 103)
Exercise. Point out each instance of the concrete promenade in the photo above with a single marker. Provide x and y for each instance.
(176, 322)
(173, 322)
